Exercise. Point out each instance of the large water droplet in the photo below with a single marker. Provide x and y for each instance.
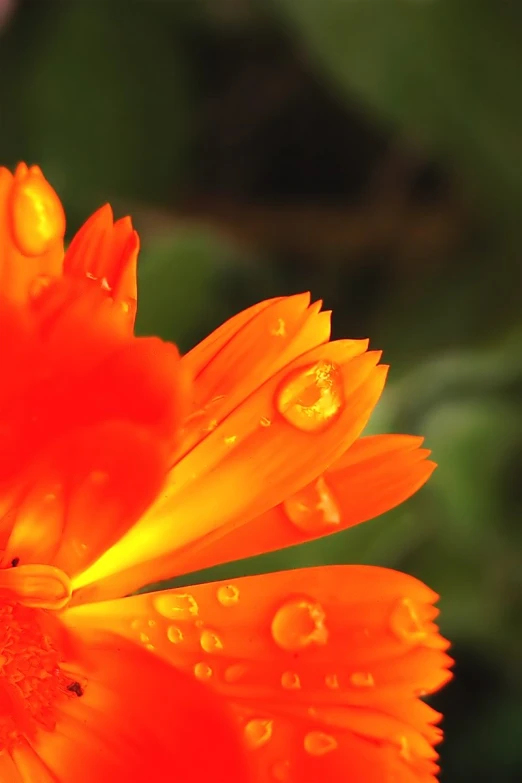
(174, 634)
(317, 743)
(210, 642)
(314, 509)
(258, 732)
(312, 397)
(362, 680)
(176, 606)
(228, 595)
(299, 623)
(202, 671)
(290, 681)
(406, 623)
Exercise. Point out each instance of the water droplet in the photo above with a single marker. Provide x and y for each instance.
(151, 623)
(258, 732)
(281, 771)
(176, 606)
(406, 623)
(290, 681)
(210, 642)
(362, 680)
(313, 509)
(235, 672)
(404, 748)
(279, 330)
(135, 624)
(299, 623)
(38, 285)
(230, 439)
(331, 681)
(174, 634)
(228, 595)
(317, 743)
(312, 397)
(37, 216)
(265, 421)
(149, 647)
(144, 638)
(202, 671)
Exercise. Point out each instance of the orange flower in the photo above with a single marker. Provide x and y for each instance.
(122, 463)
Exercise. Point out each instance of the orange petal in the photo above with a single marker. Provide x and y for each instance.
(106, 253)
(376, 474)
(32, 226)
(138, 719)
(323, 667)
(283, 436)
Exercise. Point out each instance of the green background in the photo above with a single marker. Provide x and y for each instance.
(366, 150)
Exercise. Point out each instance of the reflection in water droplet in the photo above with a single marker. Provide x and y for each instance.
(176, 606)
(299, 623)
(202, 671)
(362, 680)
(265, 421)
(210, 642)
(290, 681)
(406, 623)
(174, 634)
(317, 743)
(314, 509)
(257, 732)
(331, 681)
(228, 595)
(281, 771)
(312, 397)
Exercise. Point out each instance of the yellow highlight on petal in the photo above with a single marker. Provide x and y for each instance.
(42, 586)
(37, 216)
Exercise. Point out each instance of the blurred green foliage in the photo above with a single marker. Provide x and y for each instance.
(388, 134)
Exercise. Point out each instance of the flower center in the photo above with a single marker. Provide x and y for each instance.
(32, 679)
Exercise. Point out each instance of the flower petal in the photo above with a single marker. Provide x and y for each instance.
(32, 226)
(376, 474)
(323, 667)
(138, 719)
(257, 456)
(107, 253)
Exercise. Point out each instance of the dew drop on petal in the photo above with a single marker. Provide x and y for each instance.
(290, 681)
(228, 595)
(299, 623)
(312, 397)
(235, 672)
(331, 681)
(406, 623)
(38, 285)
(202, 671)
(176, 606)
(362, 680)
(317, 743)
(258, 732)
(174, 634)
(314, 509)
(210, 642)
(144, 638)
(265, 421)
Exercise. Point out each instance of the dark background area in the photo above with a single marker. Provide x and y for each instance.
(367, 150)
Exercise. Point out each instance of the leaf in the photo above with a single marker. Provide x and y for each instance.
(446, 72)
